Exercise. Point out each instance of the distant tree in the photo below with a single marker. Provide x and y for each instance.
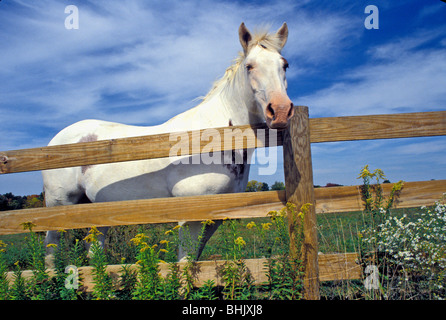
(254, 186)
(33, 201)
(328, 185)
(11, 202)
(8, 201)
(278, 185)
(3, 203)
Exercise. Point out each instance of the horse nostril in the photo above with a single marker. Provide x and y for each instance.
(291, 112)
(270, 112)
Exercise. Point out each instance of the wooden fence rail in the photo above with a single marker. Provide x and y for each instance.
(199, 208)
(403, 125)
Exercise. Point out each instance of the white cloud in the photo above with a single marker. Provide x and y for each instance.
(399, 76)
(160, 54)
(426, 148)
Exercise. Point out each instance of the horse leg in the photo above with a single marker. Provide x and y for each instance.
(56, 195)
(52, 237)
(190, 232)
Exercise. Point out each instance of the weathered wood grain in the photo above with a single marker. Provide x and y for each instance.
(238, 205)
(387, 126)
(135, 148)
(347, 199)
(331, 129)
(298, 172)
(159, 210)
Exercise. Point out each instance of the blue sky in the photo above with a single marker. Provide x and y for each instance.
(142, 62)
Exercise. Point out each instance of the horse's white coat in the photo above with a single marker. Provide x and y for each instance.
(252, 90)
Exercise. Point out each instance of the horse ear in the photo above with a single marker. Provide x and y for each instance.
(282, 34)
(245, 37)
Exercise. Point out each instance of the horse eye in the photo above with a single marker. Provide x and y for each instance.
(286, 66)
(249, 67)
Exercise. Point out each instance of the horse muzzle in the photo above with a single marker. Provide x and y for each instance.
(278, 115)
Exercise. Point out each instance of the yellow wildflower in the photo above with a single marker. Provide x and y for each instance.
(266, 226)
(379, 174)
(239, 241)
(28, 225)
(305, 207)
(289, 207)
(164, 242)
(2, 245)
(273, 215)
(93, 235)
(90, 238)
(177, 227)
(168, 232)
(398, 186)
(251, 225)
(164, 250)
(365, 172)
(208, 222)
(139, 239)
(51, 245)
(144, 248)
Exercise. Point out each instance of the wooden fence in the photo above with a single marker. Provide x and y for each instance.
(296, 141)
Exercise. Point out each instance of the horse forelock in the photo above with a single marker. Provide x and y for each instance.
(270, 41)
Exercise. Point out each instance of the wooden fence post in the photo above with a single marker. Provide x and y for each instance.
(300, 190)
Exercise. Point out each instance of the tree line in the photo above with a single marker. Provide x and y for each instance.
(8, 201)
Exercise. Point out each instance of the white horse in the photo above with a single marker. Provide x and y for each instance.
(253, 90)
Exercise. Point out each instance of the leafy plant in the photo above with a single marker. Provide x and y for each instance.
(40, 283)
(103, 286)
(149, 285)
(128, 281)
(285, 269)
(238, 281)
(18, 288)
(4, 286)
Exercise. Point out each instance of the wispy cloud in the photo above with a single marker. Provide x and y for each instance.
(158, 55)
(400, 76)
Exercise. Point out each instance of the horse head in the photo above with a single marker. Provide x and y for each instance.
(266, 71)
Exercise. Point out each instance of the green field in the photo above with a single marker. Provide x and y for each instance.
(337, 233)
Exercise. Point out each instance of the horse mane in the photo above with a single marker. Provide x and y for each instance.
(261, 37)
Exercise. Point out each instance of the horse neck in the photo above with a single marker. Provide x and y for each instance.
(228, 103)
(231, 102)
